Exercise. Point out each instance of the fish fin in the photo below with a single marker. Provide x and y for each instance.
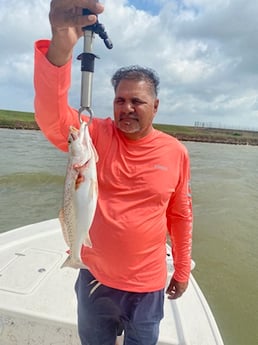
(63, 226)
(87, 241)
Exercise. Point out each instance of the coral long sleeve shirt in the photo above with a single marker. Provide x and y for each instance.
(143, 190)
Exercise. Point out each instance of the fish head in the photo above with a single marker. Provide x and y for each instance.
(79, 143)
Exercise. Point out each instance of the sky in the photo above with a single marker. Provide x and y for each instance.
(205, 52)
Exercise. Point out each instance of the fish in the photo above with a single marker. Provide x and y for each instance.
(79, 200)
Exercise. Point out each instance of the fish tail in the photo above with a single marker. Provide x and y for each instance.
(69, 262)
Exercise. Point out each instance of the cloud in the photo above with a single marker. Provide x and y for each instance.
(21, 24)
(204, 51)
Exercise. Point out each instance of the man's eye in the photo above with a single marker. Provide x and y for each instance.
(137, 102)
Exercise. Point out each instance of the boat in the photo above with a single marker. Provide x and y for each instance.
(38, 302)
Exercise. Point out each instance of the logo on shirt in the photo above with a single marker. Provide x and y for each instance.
(160, 167)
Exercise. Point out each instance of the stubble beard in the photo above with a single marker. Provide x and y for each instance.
(129, 124)
(129, 127)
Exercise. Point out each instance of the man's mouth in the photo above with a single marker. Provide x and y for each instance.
(128, 118)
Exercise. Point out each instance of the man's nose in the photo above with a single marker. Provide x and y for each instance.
(128, 107)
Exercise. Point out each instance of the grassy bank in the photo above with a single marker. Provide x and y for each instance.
(211, 135)
(17, 120)
(25, 120)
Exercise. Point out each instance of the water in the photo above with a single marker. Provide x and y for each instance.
(31, 178)
(225, 199)
(225, 246)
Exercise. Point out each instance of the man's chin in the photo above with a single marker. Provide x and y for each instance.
(128, 127)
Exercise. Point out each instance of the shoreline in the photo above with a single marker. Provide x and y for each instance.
(18, 120)
(204, 135)
(21, 125)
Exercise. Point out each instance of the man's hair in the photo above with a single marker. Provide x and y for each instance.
(136, 73)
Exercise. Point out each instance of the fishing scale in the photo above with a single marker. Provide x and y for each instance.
(87, 62)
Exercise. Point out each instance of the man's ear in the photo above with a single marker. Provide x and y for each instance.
(156, 105)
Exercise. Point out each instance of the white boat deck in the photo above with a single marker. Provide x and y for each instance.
(38, 303)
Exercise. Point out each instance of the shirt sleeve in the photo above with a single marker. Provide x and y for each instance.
(52, 112)
(179, 222)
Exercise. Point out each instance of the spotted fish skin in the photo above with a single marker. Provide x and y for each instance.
(79, 202)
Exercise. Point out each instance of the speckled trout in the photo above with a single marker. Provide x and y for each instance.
(79, 201)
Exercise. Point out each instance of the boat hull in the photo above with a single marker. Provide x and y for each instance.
(38, 303)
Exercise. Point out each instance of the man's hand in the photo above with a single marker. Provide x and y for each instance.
(176, 289)
(66, 21)
(68, 13)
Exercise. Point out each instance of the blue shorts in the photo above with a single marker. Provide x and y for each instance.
(104, 313)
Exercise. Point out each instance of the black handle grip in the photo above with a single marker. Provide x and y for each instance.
(98, 29)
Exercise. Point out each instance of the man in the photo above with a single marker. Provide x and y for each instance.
(143, 177)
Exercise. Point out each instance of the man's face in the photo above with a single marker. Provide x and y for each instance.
(135, 106)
